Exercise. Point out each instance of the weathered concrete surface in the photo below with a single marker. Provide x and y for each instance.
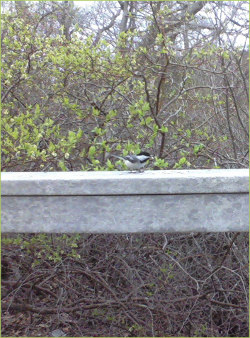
(122, 202)
(103, 214)
(123, 182)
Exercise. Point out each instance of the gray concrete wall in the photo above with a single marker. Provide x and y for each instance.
(122, 202)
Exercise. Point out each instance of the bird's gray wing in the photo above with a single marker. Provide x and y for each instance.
(131, 158)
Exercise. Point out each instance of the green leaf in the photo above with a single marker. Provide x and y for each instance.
(163, 129)
(182, 161)
(95, 112)
(92, 151)
(79, 134)
(15, 134)
(160, 163)
(62, 166)
(110, 165)
(148, 120)
(188, 133)
(66, 100)
(198, 147)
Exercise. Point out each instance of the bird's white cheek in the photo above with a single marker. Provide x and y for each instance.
(143, 157)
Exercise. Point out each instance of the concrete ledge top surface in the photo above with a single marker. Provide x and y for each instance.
(167, 182)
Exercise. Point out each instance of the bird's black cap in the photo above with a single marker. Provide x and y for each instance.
(144, 153)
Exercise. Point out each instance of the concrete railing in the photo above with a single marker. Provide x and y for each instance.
(122, 202)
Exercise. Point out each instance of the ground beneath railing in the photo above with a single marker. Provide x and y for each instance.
(125, 285)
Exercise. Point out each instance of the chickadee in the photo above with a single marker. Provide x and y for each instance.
(135, 162)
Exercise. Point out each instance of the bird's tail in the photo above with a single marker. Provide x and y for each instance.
(120, 158)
